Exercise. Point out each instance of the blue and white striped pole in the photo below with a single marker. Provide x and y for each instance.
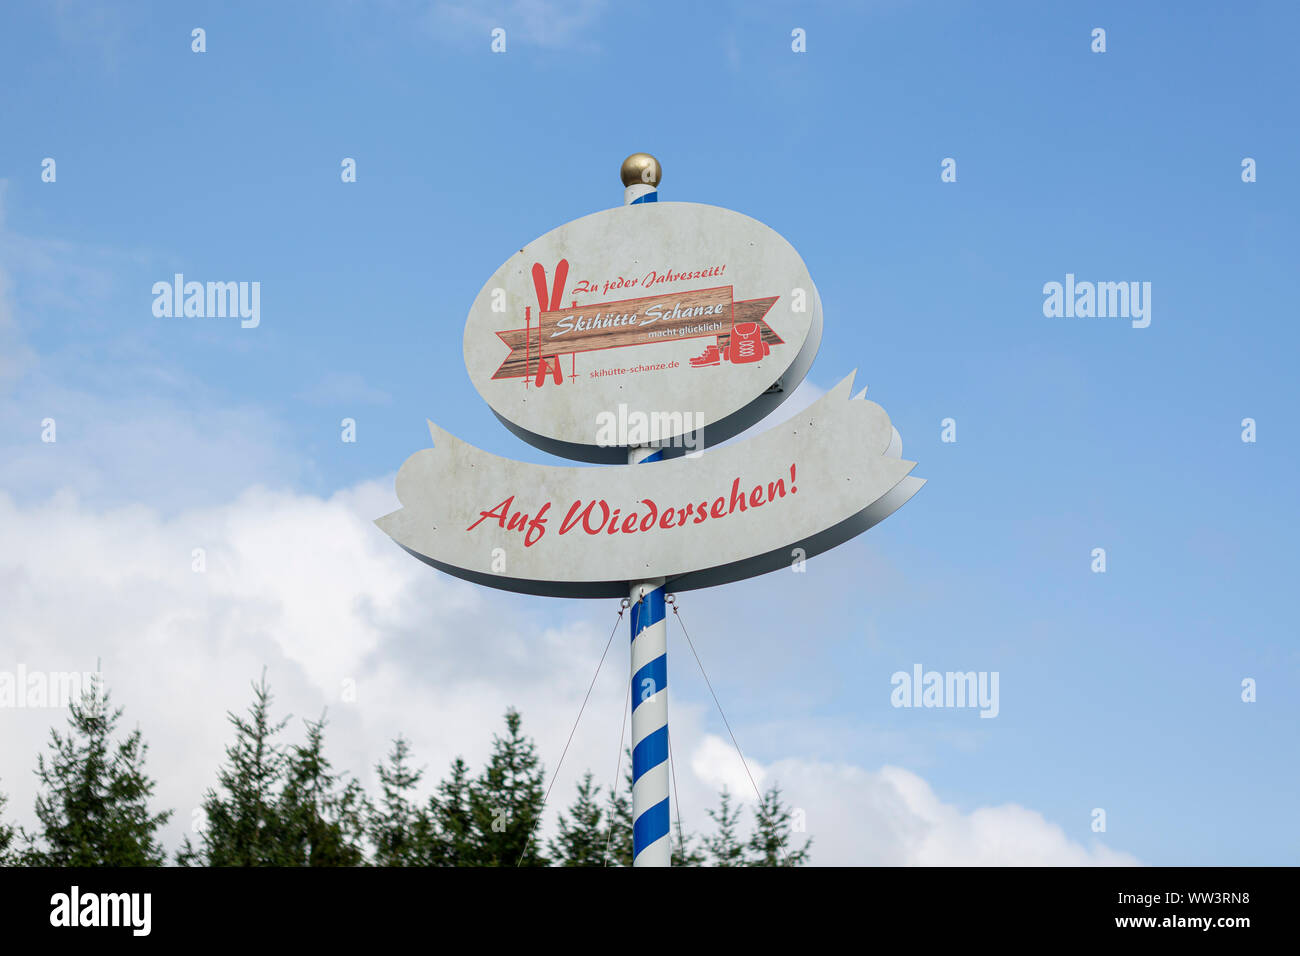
(651, 844)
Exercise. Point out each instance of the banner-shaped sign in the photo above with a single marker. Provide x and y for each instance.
(666, 310)
(733, 512)
(653, 320)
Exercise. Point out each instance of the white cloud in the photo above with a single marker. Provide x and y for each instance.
(310, 589)
(892, 817)
(113, 449)
(129, 424)
(716, 763)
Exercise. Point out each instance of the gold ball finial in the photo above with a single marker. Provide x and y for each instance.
(641, 168)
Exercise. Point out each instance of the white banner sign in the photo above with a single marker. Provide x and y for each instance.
(733, 512)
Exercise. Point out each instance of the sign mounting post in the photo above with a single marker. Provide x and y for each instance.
(651, 810)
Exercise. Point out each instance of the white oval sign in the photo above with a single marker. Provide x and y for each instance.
(671, 325)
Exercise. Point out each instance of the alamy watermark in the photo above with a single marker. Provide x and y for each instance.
(37, 689)
(946, 689)
(1102, 300)
(213, 300)
(74, 908)
(630, 429)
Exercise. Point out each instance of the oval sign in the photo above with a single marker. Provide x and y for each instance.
(669, 325)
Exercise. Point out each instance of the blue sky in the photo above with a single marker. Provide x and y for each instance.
(1119, 690)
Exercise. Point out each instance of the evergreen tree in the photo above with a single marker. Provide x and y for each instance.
(243, 825)
(452, 838)
(506, 800)
(581, 840)
(7, 855)
(400, 830)
(684, 852)
(724, 847)
(769, 844)
(620, 836)
(322, 814)
(94, 809)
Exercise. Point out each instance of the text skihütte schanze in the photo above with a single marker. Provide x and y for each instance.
(597, 516)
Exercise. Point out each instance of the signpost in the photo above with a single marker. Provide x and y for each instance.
(642, 335)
